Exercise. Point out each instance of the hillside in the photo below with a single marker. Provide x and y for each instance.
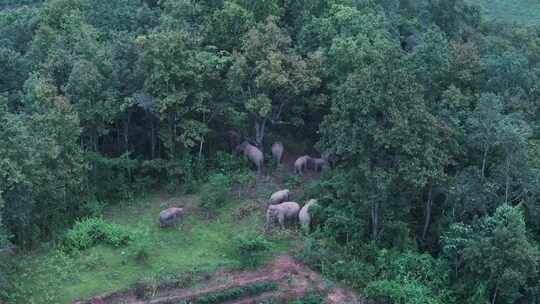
(525, 12)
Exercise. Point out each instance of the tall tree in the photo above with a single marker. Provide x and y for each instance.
(493, 258)
(267, 78)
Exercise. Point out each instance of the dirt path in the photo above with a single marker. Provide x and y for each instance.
(294, 280)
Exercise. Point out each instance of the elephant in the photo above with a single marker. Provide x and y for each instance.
(279, 197)
(253, 154)
(301, 164)
(170, 216)
(304, 216)
(284, 212)
(277, 152)
(318, 164)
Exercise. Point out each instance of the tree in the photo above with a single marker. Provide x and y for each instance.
(228, 25)
(380, 121)
(267, 78)
(484, 126)
(494, 253)
(184, 80)
(42, 184)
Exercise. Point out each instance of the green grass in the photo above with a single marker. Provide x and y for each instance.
(526, 12)
(200, 245)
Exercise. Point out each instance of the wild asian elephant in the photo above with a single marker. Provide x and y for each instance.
(279, 197)
(252, 153)
(304, 216)
(318, 164)
(282, 213)
(277, 151)
(170, 216)
(301, 163)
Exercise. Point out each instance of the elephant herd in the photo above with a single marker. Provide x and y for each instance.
(279, 207)
(283, 211)
(301, 164)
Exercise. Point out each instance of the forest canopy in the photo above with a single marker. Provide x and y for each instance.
(429, 109)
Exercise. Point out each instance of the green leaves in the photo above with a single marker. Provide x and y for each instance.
(493, 251)
(267, 77)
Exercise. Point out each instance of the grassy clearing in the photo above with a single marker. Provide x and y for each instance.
(200, 245)
(525, 12)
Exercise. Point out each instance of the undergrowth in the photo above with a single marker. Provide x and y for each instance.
(91, 231)
(235, 293)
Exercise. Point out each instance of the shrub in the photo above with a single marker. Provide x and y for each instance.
(227, 163)
(237, 292)
(93, 208)
(251, 249)
(291, 181)
(310, 299)
(215, 193)
(8, 286)
(91, 231)
(333, 261)
(148, 287)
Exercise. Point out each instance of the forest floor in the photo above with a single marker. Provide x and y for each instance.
(199, 248)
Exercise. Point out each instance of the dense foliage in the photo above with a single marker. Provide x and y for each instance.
(429, 110)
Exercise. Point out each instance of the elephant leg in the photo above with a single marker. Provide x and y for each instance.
(281, 220)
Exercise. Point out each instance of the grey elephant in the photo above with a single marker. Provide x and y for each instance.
(301, 164)
(277, 151)
(171, 216)
(252, 153)
(318, 164)
(284, 212)
(304, 215)
(279, 197)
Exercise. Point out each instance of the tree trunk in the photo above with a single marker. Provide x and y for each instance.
(484, 158)
(494, 299)
(427, 211)
(152, 139)
(126, 131)
(375, 216)
(201, 148)
(507, 180)
(259, 133)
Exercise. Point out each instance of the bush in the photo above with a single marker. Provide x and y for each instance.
(8, 287)
(310, 299)
(237, 292)
(332, 261)
(227, 163)
(147, 287)
(216, 192)
(251, 249)
(91, 231)
(291, 181)
(93, 208)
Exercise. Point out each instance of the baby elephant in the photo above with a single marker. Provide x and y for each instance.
(301, 164)
(277, 152)
(304, 216)
(279, 197)
(170, 216)
(284, 212)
